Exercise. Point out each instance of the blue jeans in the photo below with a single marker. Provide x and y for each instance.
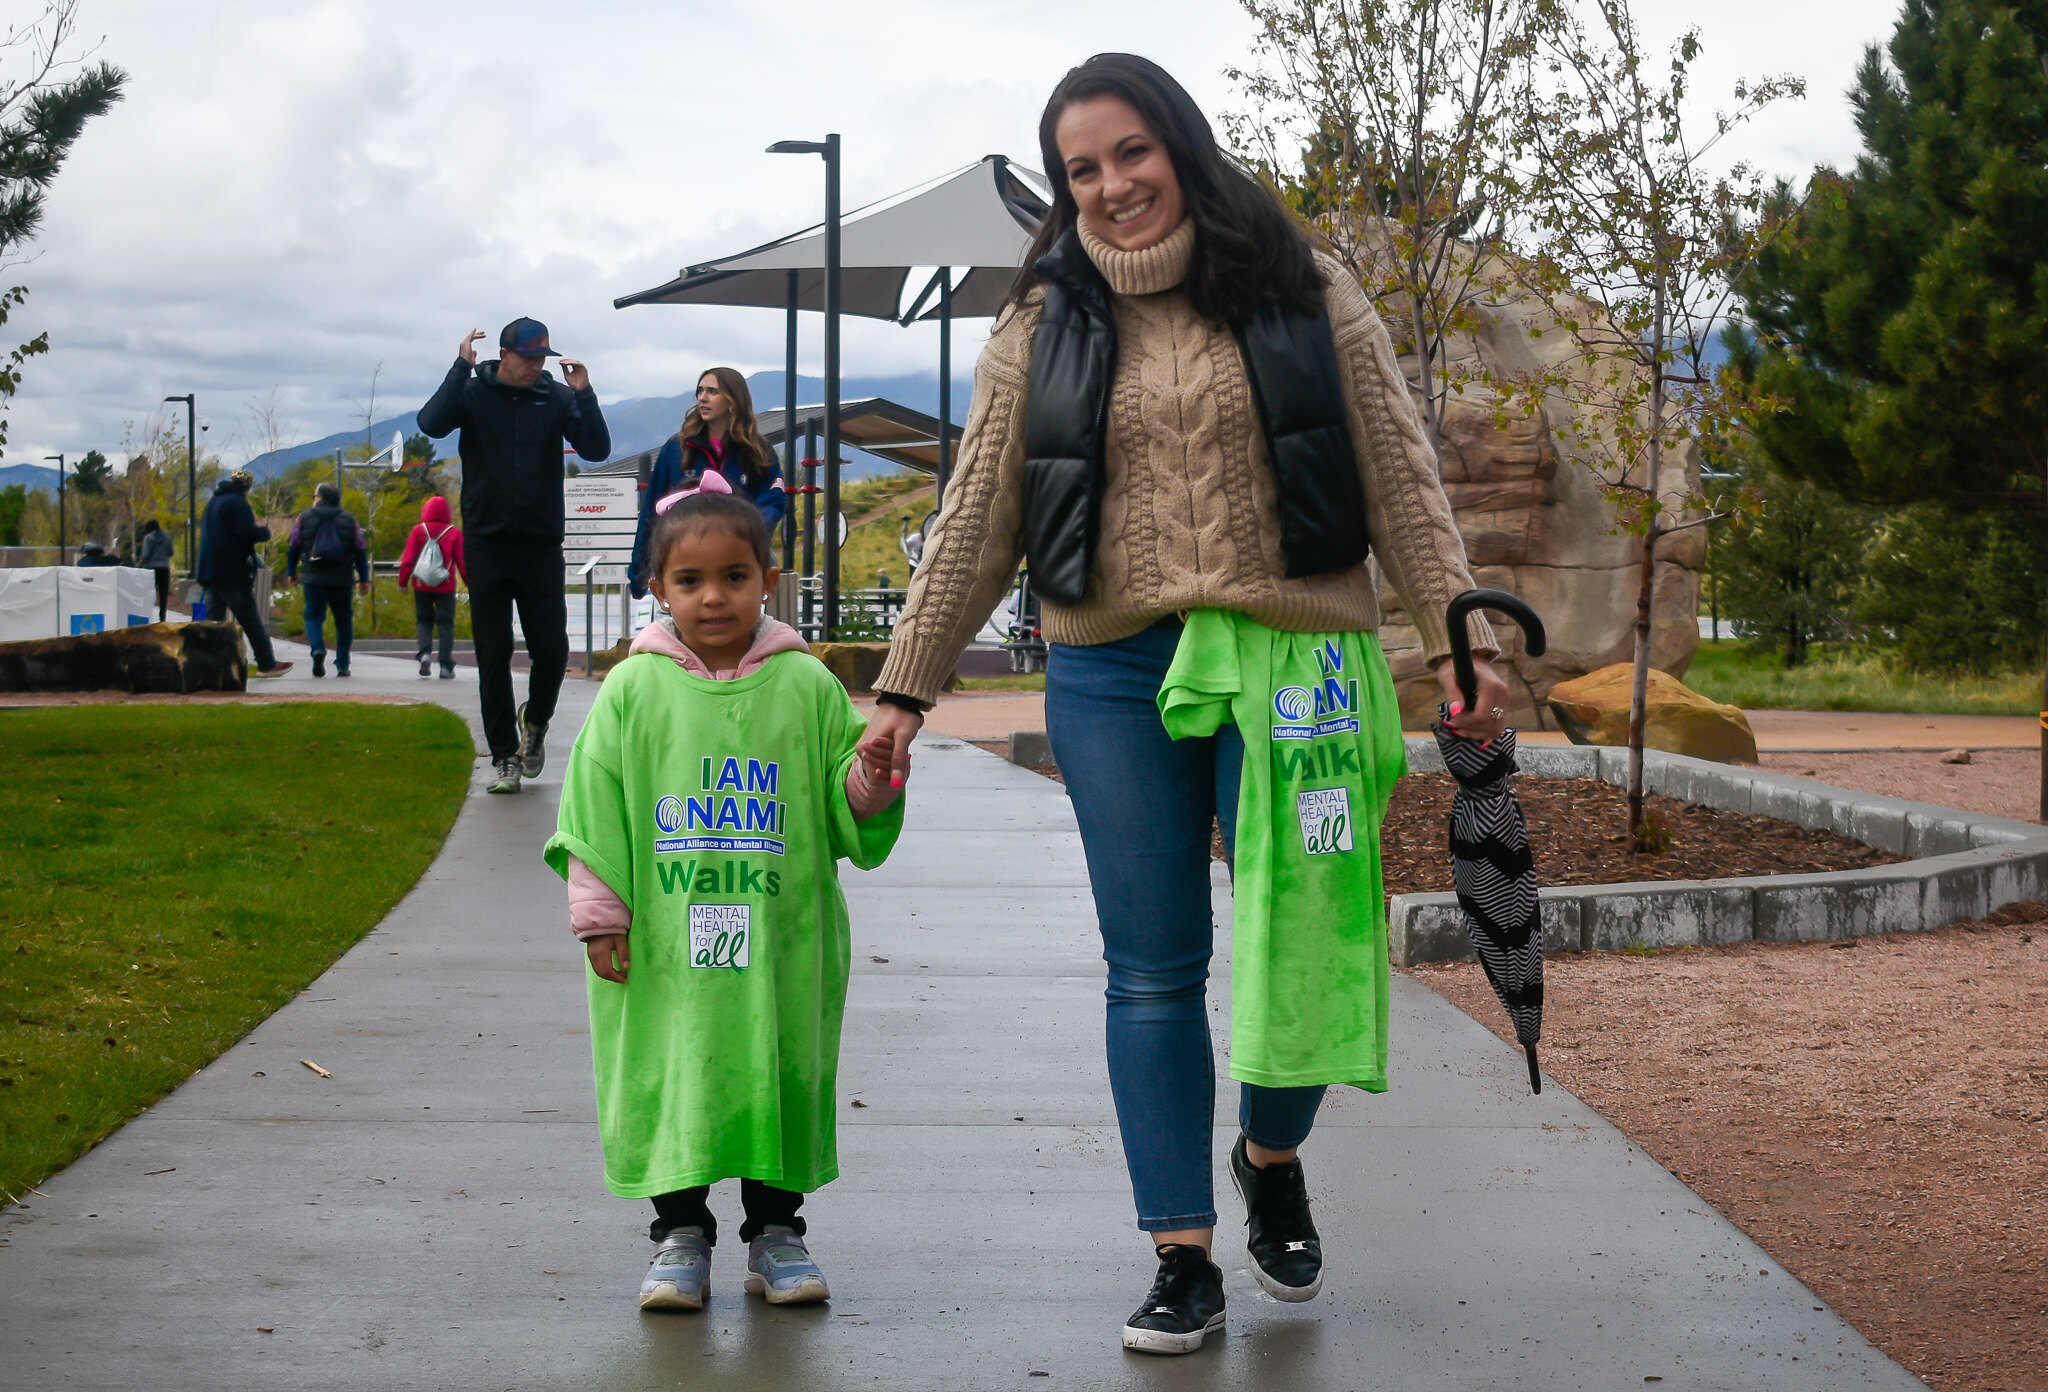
(319, 599)
(1144, 803)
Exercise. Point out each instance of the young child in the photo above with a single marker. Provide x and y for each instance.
(708, 799)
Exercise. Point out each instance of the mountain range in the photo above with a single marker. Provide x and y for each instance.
(637, 423)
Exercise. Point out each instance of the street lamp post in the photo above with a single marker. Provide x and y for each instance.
(829, 149)
(60, 507)
(191, 483)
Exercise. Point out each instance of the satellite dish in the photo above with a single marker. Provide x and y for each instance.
(397, 450)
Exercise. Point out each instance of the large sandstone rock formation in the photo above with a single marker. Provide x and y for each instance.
(1536, 524)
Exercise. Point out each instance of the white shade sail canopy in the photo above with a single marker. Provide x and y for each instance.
(979, 220)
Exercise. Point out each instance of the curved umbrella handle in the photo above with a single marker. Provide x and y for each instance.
(1533, 641)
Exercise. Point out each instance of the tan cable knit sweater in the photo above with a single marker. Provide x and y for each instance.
(1190, 518)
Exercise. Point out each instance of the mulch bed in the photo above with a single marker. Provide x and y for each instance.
(1873, 1112)
(1579, 829)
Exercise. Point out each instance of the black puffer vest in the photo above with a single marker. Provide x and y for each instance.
(1291, 360)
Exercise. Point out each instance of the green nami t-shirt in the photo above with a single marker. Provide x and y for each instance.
(717, 810)
(1322, 751)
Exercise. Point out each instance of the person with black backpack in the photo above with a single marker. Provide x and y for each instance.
(327, 544)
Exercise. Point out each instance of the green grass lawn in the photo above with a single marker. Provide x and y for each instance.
(1851, 679)
(170, 875)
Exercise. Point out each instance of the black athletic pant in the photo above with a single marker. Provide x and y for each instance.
(163, 591)
(240, 601)
(431, 611)
(763, 1204)
(527, 572)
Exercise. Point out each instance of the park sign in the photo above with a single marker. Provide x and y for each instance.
(600, 514)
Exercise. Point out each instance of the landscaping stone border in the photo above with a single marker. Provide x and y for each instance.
(1963, 865)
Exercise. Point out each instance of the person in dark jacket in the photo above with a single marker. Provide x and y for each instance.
(94, 554)
(514, 417)
(327, 545)
(228, 533)
(718, 433)
(157, 545)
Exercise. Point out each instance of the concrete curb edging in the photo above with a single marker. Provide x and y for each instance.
(1963, 866)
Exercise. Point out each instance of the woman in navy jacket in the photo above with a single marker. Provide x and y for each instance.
(718, 433)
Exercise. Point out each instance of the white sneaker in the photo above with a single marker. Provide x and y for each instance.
(680, 1278)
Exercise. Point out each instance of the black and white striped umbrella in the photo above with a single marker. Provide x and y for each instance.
(1491, 861)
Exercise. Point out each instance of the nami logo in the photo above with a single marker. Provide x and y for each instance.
(1330, 708)
(737, 809)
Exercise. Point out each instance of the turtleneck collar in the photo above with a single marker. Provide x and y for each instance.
(1158, 267)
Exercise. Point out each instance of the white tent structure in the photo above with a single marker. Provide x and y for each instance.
(970, 228)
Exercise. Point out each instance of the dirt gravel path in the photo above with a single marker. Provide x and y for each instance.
(1996, 782)
(1873, 1113)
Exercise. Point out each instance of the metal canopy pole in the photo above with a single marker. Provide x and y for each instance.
(810, 522)
(945, 381)
(789, 479)
(831, 387)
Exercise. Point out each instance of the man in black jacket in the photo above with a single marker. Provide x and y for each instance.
(228, 533)
(327, 545)
(514, 417)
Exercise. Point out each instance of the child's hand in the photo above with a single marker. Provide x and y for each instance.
(877, 767)
(602, 950)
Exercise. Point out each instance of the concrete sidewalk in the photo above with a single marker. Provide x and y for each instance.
(432, 1215)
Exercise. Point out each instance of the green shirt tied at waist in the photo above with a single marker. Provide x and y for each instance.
(1322, 750)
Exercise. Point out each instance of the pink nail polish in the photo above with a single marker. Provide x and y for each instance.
(895, 780)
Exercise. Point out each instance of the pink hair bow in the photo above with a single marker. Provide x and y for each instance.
(710, 481)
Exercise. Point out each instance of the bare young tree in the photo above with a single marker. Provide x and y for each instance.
(1636, 237)
(1402, 113)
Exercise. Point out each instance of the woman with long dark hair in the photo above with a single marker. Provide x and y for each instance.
(1195, 427)
(718, 433)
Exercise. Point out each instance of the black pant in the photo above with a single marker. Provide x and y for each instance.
(431, 611)
(163, 591)
(504, 571)
(240, 600)
(323, 596)
(763, 1204)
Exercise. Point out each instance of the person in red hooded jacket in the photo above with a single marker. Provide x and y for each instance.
(433, 604)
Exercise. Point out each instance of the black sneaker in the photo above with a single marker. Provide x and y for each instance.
(1287, 1256)
(1183, 1306)
(533, 745)
(426, 666)
(319, 664)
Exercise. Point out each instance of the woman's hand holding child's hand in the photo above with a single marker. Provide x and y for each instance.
(602, 950)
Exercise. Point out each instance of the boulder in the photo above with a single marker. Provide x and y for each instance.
(855, 664)
(168, 657)
(1593, 709)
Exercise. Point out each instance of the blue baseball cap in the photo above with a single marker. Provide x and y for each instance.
(528, 337)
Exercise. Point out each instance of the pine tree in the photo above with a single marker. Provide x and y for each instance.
(1904, 320)
(42, 114)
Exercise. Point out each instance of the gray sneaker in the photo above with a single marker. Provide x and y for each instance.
(681, 1275)
(533, 745)
(507, 770)
(780, 1268)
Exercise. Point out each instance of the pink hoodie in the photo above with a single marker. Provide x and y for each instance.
(594, 909)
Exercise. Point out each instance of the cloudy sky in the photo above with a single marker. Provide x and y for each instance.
(296, 191)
